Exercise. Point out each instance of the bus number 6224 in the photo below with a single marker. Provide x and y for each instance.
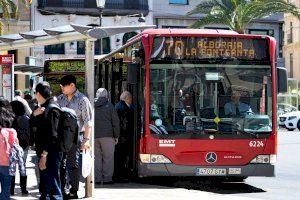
(256, 144)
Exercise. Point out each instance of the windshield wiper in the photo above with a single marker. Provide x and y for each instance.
(254, 133)
(250, 133)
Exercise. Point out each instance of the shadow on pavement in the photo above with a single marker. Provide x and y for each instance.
(206, 185)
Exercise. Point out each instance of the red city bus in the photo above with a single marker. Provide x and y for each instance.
(186, 84)
(181, 81)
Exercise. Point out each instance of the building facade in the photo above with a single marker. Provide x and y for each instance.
(291, 49)
(172, 14)
(52, 13)
(22, 80)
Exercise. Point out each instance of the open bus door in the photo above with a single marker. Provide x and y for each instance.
(132, 86)
(117, 76)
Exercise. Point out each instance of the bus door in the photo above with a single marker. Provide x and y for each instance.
(116, 85)
(118, 76)
(109, 76)
(132, 81)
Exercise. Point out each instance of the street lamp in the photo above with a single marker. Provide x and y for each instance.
(100, 6)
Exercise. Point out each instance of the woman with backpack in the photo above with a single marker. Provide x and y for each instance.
(21, 125)
(11, 152)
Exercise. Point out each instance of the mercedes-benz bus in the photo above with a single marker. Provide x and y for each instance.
(181, 80)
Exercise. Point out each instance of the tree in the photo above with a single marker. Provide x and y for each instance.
(237, 14)
(10, 9)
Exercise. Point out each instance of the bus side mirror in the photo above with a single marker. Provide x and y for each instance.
(282, 83)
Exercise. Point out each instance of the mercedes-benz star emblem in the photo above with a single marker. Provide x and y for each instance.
(211, 157)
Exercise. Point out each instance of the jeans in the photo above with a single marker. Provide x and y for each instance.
(5, 181)
(51, 177)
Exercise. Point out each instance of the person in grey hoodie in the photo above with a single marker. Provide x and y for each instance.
(107, 132)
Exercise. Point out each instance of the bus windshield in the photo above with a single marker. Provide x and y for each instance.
(196, 97)
(191, 96)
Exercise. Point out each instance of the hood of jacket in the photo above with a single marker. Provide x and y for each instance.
(101, 101)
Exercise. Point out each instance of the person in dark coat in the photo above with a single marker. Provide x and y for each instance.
(47, 142)
(124, 148)
(107, 132)
(21, 125)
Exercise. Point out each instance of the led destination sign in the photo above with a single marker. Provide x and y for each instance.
(210, 48)
(64, 65)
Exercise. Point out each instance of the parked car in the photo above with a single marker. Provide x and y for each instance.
(285, 108)
(290, 120)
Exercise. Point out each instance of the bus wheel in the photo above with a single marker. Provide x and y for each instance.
(298, 125)
(291, 129)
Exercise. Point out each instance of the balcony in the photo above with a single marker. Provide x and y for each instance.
(88, 7)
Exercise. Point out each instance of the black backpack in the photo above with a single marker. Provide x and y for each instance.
(67, 127)
(21, 125)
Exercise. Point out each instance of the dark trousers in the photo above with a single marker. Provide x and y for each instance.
(50, 177)
(70, 169)
(121, 161)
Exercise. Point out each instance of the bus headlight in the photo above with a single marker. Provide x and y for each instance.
(154, 158)
(264, 159)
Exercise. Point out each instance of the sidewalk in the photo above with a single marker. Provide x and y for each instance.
(124, 191)
(32, 181)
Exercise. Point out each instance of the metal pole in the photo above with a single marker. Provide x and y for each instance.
(100, 24)
(89, 88)
(31, 22)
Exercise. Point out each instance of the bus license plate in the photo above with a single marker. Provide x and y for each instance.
(210, 171)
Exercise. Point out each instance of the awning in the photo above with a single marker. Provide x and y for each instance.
(62, 34)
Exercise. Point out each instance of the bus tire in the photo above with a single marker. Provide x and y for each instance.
(298, 125)
(291, 129)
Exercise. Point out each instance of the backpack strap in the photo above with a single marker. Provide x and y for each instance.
(50, 107)
(53, 105)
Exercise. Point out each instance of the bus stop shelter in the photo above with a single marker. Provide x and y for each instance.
(68, 33)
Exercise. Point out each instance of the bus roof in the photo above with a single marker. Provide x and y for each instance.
(188, 31)
(166, 31)
(182, 31)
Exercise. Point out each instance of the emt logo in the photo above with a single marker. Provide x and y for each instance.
(167, 143)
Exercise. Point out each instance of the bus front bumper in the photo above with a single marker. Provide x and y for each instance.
(146, 169)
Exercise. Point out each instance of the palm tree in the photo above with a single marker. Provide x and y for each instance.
(237, 14)
(9, 10)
